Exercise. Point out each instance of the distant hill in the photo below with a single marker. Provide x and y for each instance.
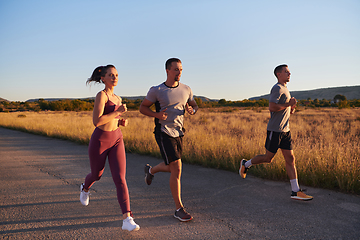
(351, 92)
(3, 99)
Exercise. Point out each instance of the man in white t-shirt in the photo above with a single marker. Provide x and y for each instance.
(281, 105)
(171, 99)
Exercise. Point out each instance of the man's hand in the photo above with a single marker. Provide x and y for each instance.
(189, 109)
(292, 110)
(292, 102)
(162, 115)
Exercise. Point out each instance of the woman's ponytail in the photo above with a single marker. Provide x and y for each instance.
(98, 73)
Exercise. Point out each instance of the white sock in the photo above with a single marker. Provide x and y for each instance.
(294, 185)
(150, 171)
(248, 164)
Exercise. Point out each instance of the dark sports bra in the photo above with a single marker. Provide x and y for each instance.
(110, 107)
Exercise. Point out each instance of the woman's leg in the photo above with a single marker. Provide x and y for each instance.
(97, 156)
(117, 163)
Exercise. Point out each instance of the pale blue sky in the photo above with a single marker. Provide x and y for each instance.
(229, 49)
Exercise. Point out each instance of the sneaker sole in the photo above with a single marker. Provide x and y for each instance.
(301, 199)
(147, 182)
(135, 229)
(183, 220)
(146, 170)
(241, 167)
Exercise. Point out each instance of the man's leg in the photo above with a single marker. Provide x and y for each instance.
(290, 163)
(175, 169)
(175, 187)
(175, 184)
(265, 158)
(296, 193)
(258, 159)
(161, 167)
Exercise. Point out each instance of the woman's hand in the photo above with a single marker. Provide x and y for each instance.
(123, 122)
(122, 109)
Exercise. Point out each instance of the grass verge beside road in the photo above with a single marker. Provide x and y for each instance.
(327, 141)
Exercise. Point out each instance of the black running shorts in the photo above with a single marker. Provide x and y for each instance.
(170, 147)
(276, 140)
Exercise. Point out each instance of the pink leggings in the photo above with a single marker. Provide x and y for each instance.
(109, 144)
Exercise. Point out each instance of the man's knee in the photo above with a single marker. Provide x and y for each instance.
(268, 159)
(175, 167)
(269, 156)
(289, 156)
(290, 160)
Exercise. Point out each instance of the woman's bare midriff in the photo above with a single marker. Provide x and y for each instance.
(110, 126)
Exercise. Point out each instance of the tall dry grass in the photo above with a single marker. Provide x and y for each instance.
(326, 141)
(74, 126)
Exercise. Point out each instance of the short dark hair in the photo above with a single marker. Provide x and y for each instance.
(98, 73)
(279, 68)
(170, 61)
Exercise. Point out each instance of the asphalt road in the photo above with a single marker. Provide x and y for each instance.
(39, 199)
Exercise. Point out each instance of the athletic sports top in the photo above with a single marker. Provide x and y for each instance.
(279, 121)
(110, 106)
(174, 100)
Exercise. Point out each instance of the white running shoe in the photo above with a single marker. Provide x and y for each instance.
(130, 225)
(84, 196)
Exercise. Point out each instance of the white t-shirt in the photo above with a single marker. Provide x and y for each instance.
(174, 100)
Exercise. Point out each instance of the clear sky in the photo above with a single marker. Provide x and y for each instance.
(229, 49)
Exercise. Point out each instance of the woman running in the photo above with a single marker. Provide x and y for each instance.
(107, 141)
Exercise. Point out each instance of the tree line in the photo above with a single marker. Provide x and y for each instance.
(339, 101)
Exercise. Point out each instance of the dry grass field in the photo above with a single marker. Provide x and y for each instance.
(327, 141)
